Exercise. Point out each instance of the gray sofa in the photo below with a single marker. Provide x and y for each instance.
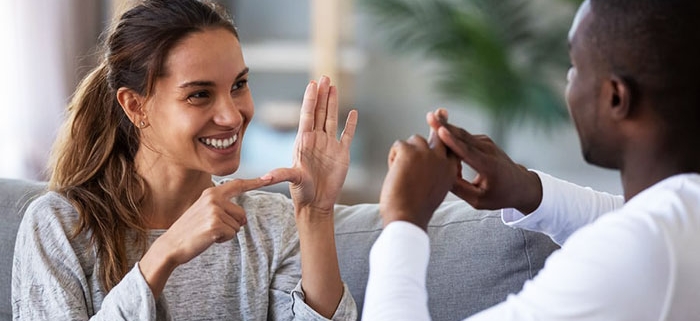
(476, 261)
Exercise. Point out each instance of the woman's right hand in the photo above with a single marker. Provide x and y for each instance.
(212, 218)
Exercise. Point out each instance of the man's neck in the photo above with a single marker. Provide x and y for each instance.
(648, 166)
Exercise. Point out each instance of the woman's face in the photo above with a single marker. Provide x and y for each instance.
(201, 106)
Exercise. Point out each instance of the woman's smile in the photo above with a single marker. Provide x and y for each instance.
(223, 143)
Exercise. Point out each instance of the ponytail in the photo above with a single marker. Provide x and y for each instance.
(93, 167)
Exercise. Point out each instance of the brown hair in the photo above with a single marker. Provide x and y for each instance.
(92, 160)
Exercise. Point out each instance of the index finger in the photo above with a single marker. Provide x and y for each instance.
(437, 118)
(238, 186)
(461, 134)
(464, 145)
(437, 144)
(433, 139)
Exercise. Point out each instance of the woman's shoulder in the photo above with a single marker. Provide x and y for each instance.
(46, 249)
(51, 211)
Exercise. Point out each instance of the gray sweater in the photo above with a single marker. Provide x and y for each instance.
(255, 276)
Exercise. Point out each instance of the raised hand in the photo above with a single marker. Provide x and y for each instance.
(500, 182)
(320, 165)
(420, 174)
(321, 160)
(212, 218)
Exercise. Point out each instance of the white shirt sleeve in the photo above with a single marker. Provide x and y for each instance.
(633, 264)
(565, 208)
(398, 263)
(589, 279)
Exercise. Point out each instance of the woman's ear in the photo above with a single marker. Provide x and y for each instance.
(132, 104)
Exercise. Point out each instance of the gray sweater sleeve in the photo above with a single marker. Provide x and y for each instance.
(50, 272)
(286, 294)
(281, 299)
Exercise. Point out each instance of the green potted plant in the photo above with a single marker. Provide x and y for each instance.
(506, 57)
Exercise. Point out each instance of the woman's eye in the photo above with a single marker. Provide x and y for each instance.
(240, 84)
(197, 97)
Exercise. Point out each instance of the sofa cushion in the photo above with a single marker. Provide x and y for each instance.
(475, 262)
(15, 195)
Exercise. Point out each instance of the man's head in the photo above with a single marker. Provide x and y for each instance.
(634, 63)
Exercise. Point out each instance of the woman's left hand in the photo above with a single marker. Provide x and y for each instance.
(321, 160)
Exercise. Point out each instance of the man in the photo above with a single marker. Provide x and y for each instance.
(632, 96)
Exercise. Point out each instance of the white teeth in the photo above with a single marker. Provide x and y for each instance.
(220, 143)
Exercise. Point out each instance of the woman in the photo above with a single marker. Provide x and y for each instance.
(133, 227)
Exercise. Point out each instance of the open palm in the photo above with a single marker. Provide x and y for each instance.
(321, 160)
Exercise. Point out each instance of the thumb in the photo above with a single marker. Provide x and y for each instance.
(238, 186)
(280, 175)
(466, 191)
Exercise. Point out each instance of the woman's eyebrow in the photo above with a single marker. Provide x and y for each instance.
(197, 83)
(243, 72)
(207, 83)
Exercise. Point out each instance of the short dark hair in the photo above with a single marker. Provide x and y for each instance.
(654, 45)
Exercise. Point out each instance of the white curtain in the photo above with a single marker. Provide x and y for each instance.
(46, 49)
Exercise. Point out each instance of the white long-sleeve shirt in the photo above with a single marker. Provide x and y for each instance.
(639, 261)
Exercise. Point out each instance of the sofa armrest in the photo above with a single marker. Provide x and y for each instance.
(15, 196)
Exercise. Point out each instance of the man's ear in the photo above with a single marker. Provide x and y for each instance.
(132, 104)
(619, 96)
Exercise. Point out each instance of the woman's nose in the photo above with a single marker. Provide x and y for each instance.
(228, 113)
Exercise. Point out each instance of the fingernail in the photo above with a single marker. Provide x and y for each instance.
(266, 177)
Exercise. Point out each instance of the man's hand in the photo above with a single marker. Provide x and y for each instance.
(500, 182)
(420, 175)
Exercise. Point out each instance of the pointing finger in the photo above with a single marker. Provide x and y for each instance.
(464, 150)
(239, 186)
(442, 115)
(434, 125)
(279, 175)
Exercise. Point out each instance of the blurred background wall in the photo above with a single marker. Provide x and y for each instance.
(50, 45)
